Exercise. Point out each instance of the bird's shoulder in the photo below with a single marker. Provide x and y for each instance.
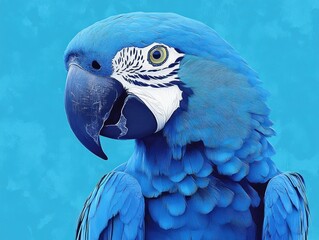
(286, 208)
(115, 209)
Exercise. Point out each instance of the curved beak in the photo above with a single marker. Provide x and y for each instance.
(89, 100)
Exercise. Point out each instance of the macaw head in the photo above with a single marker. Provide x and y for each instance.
(133, 75)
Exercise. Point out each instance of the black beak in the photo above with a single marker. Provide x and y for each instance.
(89, 100)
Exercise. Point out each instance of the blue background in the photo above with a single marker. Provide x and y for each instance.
(46, 174)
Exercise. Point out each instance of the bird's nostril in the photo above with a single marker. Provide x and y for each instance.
(96, 65)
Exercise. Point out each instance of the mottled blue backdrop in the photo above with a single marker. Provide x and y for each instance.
(46, 174)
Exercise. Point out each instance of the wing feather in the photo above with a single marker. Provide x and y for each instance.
(286, 208)
(114, 210)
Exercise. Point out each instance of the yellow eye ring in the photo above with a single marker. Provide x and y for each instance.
(157, 55)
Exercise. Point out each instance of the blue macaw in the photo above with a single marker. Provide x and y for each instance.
(202, 165)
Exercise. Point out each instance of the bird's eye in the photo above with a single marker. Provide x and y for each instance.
(157, 55)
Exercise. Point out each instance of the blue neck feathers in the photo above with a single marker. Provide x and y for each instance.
(161, 168)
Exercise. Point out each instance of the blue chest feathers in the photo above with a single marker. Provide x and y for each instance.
(189, 199)
(218, 211)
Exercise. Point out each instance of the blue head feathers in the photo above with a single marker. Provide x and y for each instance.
(202, 92)
(104, 39)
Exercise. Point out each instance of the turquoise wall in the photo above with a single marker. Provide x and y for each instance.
(46, 174)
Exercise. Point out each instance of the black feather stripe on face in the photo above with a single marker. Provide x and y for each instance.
(131, 64)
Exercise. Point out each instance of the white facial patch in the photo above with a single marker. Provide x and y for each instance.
(155, 85)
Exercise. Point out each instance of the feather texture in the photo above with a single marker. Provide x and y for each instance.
(114, 210)
(286, 208)
(204, 175)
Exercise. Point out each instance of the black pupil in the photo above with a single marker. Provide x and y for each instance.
(96, 65)
(156, 54)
